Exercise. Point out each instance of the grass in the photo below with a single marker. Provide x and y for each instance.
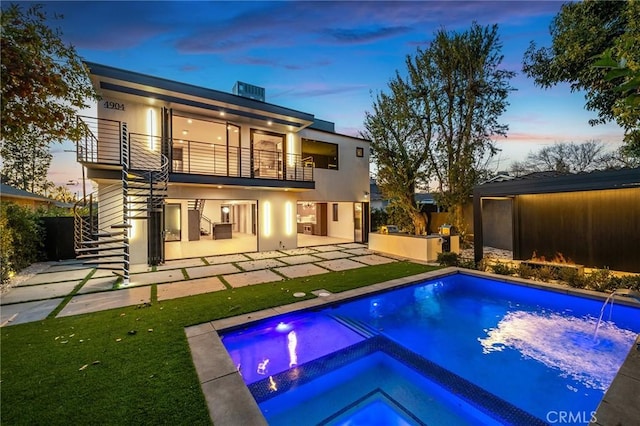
(132, 365)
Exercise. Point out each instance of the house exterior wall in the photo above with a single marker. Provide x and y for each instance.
(276, 203)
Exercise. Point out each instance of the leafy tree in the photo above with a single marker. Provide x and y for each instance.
(25, 164)
(580, 32)
(43, 85)
(398, 150)
(441, 119)
(62, 193)
(568, 158)
(622, 62)
(21, 235)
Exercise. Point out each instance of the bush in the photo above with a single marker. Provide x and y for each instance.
(544, 274)
(524, 271)
(448, 258)
(467, 263)
(573, 278)
(22, 237)
(502, 269)
(626, 281)
(600, 280)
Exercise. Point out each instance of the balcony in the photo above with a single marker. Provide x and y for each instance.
(102, 148)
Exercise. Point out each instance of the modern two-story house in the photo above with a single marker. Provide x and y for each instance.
(184, 171)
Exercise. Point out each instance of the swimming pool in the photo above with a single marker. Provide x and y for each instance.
(455, 350)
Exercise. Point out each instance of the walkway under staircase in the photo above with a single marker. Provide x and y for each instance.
(103, 220)
(206, 224)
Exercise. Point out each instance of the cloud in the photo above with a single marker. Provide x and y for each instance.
(363, 35)
(277, 63)
(315, 90)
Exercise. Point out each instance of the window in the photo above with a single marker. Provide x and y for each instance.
(359, 152)
(322, 155)
(335, 212)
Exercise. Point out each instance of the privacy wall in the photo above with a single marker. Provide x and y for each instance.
(593, 228)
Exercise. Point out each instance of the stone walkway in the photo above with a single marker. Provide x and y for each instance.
(84, 290)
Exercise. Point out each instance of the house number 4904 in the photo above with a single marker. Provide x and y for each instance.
(114, 105)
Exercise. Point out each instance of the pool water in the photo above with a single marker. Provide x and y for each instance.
(456, 350)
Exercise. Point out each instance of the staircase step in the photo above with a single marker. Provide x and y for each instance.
(121, 225)
(100, 256)
(104, 241)
(105, 262)
(108, 234)
(93, 249)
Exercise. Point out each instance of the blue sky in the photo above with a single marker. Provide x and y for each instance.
(322, 57)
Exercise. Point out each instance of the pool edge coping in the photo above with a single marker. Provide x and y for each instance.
(230, 403)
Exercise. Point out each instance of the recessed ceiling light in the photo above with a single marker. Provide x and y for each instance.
(181, 141)
(189, 121)
(185, 132)
(219, 138)
(221, 113)
(269, 122)
(219, 186)
(235, 131)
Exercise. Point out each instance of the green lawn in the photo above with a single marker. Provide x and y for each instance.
(93, 369)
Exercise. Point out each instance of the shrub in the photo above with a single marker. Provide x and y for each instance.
(448, 258)
(22, 235)
(544, 274)
(626, 281)
(502, 269)
(524, 271)
(600, 280)
(573, 278)
(467, 263)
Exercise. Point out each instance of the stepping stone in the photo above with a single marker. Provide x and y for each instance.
(297, 251)
(326, 248)
(177, 264)
(227, 259)
(373, 259)
(333, 255)
(98, 284)
(265, 255)
(156, 277)
(95, 302)
(211, 270)
(296, 260)
(260, 264)
(304, 270)
(189, 288)
(38, 292)
(27, 312)
(352, 246)
(140, 267)
(340, 264)
(250, 278)
(54, 277)
(359, 251)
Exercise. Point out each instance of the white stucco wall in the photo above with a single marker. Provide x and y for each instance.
(343, 228)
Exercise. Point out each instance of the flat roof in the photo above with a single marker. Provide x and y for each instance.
(551, 183)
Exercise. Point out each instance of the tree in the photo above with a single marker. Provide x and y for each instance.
(44, 81)
(25, 164)
(568, 158)
(622, 63)
(581, 32)
(439, 123)
(63, 194)
(398, 150)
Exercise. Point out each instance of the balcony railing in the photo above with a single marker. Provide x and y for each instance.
(102, 144)
(194, 157)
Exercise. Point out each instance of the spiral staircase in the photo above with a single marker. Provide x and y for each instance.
(104, 219)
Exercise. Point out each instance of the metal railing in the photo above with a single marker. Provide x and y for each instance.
(101, 142)
(194, 157)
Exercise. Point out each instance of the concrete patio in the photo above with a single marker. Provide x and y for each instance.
(73, 289)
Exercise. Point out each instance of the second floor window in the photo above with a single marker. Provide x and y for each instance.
(322, 155)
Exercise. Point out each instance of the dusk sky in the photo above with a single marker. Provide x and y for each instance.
(324, 58)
